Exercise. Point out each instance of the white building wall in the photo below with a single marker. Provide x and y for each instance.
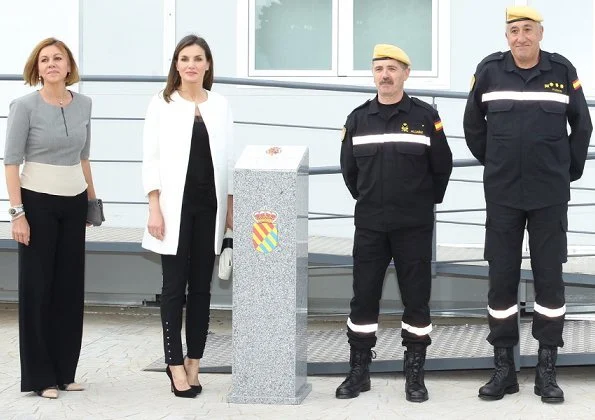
(135, 37)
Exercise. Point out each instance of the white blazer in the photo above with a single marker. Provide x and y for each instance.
(166, 147)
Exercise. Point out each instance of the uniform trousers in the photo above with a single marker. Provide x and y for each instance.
(411, 249)
(547, 229)
(192, 266)
(51, 289)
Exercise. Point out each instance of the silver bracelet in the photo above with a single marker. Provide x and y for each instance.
(20, 214)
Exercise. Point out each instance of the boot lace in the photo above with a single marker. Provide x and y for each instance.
(359, 361)
(549, 372)
(414, 369)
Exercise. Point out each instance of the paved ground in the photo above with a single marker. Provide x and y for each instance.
(119, 343)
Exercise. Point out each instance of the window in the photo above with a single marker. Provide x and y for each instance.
(335, 38)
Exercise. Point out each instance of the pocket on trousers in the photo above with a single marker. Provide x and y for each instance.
(487, 255)
(564, 239)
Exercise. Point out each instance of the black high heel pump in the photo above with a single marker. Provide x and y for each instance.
(187, 393)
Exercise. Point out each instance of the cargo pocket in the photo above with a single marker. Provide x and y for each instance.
(499, 119)
(487, 249)
(365, 150)
(564, 238)
(412, 160)
(553, 124)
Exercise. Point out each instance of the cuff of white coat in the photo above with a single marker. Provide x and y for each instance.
(151, 186)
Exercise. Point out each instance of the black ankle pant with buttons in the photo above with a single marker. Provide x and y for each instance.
(51, 289)
(192, 266)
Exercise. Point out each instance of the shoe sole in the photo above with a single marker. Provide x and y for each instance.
(510, 390)
(416, 400)
(365, 388)
(549, 400)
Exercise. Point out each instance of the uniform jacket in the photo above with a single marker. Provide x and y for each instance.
(396, 169)
(517, 129)
(166, 148)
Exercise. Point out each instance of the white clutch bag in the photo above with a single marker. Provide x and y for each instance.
(226, 257)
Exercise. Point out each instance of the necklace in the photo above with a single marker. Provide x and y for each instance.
(59, 100)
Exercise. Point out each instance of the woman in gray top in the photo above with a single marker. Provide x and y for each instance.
(48, 130)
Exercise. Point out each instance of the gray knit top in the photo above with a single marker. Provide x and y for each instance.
(52, 140)
(39, 132)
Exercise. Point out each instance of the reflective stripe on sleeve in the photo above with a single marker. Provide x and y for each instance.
(550, 313)
(366, 329)
(391, 138)
(416, 330)
(525, 96)
(505, 313)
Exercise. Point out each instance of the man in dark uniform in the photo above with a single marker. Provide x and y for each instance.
(396, 163)
(516, 125)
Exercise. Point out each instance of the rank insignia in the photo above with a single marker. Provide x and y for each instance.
(265, 236)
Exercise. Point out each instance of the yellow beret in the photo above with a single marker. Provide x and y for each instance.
(517, 13)
(382, 51)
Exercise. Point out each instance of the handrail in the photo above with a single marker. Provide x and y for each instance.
(447, 94)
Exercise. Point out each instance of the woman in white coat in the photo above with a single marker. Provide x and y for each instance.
(187, 175)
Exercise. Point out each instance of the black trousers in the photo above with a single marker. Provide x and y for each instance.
(51, 289)
(411, 249)
(192, 266)
(547, 229)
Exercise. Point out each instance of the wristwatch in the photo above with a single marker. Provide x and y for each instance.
(13, 211)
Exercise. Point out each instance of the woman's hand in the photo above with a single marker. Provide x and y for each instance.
(156, 224)
(229, 215)
(20, 230)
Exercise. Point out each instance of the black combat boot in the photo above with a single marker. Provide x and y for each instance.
(504, 379)
(358, 379)
(545, 376)
(415, 389)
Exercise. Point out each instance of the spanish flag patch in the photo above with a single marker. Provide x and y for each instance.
(438, 125)
(576, 84)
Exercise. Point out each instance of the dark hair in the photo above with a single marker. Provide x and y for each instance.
(31, 71)
(173, 78)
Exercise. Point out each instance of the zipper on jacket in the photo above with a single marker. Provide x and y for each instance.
(64, 119)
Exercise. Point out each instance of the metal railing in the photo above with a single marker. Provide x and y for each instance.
(328, 170)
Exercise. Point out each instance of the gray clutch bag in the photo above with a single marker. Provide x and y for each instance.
(95, 212)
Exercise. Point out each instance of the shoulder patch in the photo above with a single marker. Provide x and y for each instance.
(472, 82)
(343, 132)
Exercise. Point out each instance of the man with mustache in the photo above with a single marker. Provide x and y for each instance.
(516, 125)
(396, 163)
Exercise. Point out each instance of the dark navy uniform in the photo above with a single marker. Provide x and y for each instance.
(396, 163)
(516, 125)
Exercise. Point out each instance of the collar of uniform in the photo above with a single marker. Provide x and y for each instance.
(543, 65)
(403, 105)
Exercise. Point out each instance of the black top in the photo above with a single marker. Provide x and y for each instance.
(199, 190)
(516, 125)
(396, 163)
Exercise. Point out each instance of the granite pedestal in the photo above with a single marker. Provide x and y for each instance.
(270, 276)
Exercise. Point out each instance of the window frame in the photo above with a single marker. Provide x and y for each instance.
(342, 71)
(345, 56)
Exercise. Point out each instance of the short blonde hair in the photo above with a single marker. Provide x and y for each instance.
(31, 71)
